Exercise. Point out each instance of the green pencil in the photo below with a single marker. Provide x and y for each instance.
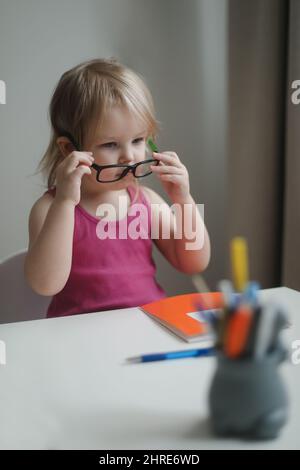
(152, 145)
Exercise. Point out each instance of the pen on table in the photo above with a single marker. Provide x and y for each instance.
(163, 356)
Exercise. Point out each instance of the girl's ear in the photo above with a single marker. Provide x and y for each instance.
(65, 146)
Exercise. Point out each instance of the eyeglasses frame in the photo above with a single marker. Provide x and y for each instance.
(128, 168)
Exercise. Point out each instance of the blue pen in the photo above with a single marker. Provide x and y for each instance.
(202, 352)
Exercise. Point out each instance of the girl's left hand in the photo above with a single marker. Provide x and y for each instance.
(173, 176)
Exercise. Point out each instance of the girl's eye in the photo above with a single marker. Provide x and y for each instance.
(109, 145)
(113, 144)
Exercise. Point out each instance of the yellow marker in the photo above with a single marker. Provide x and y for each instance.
(239, 263)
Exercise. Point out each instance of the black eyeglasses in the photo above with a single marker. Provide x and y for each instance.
(111, 173)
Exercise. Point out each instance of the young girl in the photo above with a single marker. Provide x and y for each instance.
(102, 114)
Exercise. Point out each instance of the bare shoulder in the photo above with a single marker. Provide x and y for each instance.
(38, 215)
(41, 205)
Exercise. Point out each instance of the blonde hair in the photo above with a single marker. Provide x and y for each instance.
(81, 99)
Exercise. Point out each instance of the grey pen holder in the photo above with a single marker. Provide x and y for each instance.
(247, 397)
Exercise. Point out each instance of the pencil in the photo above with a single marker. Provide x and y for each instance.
(186, 353)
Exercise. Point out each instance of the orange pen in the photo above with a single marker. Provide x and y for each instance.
(238, 329)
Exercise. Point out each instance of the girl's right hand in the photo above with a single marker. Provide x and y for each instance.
(69, 174)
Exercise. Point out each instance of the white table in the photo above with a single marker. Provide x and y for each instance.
(65, 385)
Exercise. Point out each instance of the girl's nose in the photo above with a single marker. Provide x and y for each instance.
(127, 158)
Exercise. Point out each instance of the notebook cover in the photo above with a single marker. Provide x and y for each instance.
(172, 312)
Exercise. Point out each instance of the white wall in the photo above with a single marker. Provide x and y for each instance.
(179, 47)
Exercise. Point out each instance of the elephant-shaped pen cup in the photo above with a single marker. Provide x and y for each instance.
(247, 396)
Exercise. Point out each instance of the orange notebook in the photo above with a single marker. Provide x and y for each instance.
(180, 314)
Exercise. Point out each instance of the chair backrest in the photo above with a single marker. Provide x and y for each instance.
(18, 302)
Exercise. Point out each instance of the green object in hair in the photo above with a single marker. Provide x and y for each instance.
(152, 145)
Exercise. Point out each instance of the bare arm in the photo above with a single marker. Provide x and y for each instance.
(187, 254)
(49, 257)
(51, 226)
(192, 248)
(188, 247)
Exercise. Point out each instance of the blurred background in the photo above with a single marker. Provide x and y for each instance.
(220, 73)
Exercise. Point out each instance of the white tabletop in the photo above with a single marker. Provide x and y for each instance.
(65, 385)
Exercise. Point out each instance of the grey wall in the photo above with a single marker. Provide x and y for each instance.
(256, 120)
(179, 47)
(291, 269)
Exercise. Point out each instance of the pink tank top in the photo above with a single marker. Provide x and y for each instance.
(108, 273)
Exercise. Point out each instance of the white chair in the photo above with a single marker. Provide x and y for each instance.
(18, 302)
